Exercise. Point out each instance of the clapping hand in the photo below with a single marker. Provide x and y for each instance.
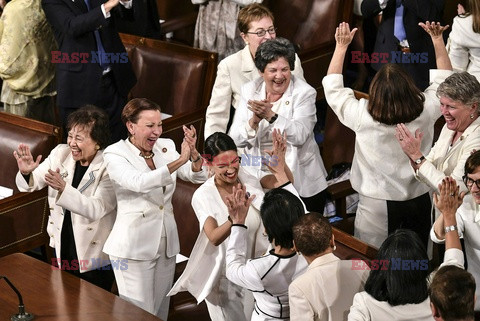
(410, 143)
(25, 161)
(449, 199)
(261, 108)
(238, 204)
(276, 161)
(55, 180)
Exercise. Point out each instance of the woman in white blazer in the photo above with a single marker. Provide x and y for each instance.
(80, 195)
(390, 197)
(143, 169)
(463, 41)
(255, 23)
(281, 101)
(460, 136)
(205, 274)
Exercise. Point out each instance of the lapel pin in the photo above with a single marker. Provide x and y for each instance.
(164, 149)
(287, 102)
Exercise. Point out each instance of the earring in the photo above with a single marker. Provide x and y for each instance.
(471, 116)
(97, 147)
(334, 247)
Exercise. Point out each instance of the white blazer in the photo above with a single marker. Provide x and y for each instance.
(144, 199)
(92, 204)
(232, 73)
(325, 291)
(445, 161)
(463, 46)
(297, 117)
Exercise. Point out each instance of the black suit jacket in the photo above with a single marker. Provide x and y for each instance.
(145, 20)
(79, 83)
(415, 11)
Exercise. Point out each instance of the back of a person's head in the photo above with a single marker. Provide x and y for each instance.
(279, 211)
(393, 96)
(473, 8)
(462, 87)
(250, 13)
(452, 292)
(312, 234)
(405, 279)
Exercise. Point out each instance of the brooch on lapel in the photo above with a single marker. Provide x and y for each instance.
(164, 149)
(287, 102)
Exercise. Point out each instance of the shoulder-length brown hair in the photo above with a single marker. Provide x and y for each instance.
(473, 8)
(394, 97)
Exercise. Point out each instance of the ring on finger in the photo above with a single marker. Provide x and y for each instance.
(452, 194)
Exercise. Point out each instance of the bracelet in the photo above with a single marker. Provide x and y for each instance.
(199, 158)
(451, 228)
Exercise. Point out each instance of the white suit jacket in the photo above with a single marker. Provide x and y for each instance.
(144, 199)
(442, 162)
(92, 204)
(463, 46)
(326, 290)
(380, 169)
(232, 73)
(297, 117)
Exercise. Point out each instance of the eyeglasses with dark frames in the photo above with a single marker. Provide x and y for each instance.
(263, 32)
(469, 182)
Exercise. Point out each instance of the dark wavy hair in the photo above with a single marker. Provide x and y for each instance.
(272, 50)
(279, 211)
(394, 97)
(403, 285)
(95, 120)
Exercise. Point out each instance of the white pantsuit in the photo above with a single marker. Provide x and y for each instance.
(145, 231)
(92, 204)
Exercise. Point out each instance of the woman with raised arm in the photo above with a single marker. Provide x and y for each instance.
(390, 197)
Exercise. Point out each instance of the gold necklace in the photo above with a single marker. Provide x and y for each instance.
(147, 156)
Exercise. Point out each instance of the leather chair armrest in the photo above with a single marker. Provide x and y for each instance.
(338, 193)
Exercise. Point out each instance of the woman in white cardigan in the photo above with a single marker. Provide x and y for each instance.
(205, 276)
(143, 169)
(390, 196)
(80, 195)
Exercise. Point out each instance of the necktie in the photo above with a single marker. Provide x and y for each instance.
(399, 29)
(98, 40)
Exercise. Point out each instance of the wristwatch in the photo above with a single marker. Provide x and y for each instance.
(419, 160)
(274, 118)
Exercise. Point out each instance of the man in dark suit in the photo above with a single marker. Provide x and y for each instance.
(92, 64)
(418, 43)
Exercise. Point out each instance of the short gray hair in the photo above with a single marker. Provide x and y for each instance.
(462, 87)
(273, 49)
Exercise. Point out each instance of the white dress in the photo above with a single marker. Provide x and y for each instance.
(205, 276)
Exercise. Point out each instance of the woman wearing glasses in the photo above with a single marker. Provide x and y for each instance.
(468, 218)
(205, 275)
(459, 104)
(255, 23)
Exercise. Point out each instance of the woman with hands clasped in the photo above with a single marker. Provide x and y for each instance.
(462, 217)
(80, 194)
(205, 276)
(144, 169)
(390, 197)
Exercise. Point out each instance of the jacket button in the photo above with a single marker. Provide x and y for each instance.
(51, 222)
(93, 243)
(89, 228)
(161, 207)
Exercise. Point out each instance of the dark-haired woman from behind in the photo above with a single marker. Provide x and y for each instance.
(390, 197)
(205, 274)
(400, 291)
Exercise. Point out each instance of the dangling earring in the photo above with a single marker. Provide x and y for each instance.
(334, 247)
(97, 147)
(471, 116)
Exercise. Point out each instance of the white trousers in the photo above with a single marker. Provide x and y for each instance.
(146, 283)
(371, 220)
(229, 302)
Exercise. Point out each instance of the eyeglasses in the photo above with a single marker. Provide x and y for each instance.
(263, 32)
(469, 182)
(236, 161)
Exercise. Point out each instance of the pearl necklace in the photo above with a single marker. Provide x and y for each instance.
(147, 156)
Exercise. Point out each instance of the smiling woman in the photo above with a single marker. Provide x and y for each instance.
(81, 197)
(279, 100)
